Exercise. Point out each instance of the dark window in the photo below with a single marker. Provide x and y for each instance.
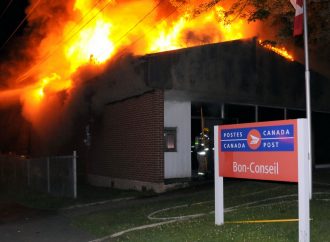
(170, 139)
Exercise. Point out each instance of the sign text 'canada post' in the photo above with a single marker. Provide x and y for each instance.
(264, 150)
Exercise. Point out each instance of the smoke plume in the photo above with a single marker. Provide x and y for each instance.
(77, 56)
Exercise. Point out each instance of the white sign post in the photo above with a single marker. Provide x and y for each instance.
(218, 182)
(303, 181)
(300, 140)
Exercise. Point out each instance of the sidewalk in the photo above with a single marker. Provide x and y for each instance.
(21, 224)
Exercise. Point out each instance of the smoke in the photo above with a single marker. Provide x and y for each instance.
(39, 57)
(49, 16)
(59, 87)
(194, 7)
(68, 113)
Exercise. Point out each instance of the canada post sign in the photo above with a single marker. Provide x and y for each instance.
(264, 150)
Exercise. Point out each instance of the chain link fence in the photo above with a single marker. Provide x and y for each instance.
(56, 175)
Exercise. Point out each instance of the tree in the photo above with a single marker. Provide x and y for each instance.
(277, 15)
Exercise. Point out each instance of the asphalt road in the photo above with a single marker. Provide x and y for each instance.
(21, 224)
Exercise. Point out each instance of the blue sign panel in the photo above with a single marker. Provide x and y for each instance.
(267, 138)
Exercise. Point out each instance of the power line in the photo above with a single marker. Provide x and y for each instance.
(31, 70)
(20, 24)
(6, 8)
(89, 21)
(151, 29)
(45, 58)
(101, 10)
(140, 21)
(61, 42)
(81, 19)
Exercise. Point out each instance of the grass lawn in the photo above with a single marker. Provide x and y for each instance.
(249, 200)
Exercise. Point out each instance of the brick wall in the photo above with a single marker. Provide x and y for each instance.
(128, 142)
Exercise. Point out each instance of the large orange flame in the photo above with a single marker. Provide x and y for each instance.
(97, 29)
(188, 31)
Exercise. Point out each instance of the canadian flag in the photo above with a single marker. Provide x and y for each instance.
(299, 17)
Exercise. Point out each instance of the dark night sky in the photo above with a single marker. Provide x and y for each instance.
(11, 18)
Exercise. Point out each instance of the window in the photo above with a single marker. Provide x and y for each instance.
(169, 139)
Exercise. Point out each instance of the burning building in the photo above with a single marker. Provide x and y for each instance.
(130, 147)
(122, 82)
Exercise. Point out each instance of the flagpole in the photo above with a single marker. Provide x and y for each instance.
(308, 98)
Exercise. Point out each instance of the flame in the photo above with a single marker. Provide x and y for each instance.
(91, 45)
(278, 50)
(96, 30)
(188, 31)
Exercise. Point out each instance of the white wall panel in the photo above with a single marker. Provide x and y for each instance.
(178, 164)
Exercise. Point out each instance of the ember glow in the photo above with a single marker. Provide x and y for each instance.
(90, 32)
(279, 50)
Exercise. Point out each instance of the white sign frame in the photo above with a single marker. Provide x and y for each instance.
(303, 181)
